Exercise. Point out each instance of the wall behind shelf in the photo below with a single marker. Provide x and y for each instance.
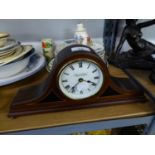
(58, 29)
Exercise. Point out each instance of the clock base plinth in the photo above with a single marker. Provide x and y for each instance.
(120, 91)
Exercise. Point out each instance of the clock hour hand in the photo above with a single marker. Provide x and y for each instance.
(93, 83)
(88, 81)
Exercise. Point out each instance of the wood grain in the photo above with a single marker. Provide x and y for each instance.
(7, 94)
(142, 77)
(47, 96)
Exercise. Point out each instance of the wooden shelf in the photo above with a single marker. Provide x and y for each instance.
(7, 93)
(141, 77)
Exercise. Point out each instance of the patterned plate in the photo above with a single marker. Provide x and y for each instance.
(8, 52)
(19, 52)
(10, 44)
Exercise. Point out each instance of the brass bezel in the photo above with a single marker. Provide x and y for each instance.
(75, 60)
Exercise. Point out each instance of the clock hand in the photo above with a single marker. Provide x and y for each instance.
(88, 81)
(73, 88)
(93, 83)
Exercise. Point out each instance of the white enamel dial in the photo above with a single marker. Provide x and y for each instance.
(80, 79)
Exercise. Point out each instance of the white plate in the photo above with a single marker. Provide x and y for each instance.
(10, 44)
(98, 48)
(36, 63)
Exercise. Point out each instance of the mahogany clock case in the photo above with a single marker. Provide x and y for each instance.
(82, 53)
(47, 97)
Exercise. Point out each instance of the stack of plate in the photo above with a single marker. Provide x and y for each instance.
(15, 61)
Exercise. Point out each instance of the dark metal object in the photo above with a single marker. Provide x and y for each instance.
(140, 56)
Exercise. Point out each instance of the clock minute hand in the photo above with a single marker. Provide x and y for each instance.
(79, 81)
(73, 88)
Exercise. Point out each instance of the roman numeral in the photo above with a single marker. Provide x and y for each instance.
(94, 71)
(96, 77)
(64, 80)
(88, 66)
(81, 92)
(66, 73)
(94, 84)
(67, 87)
(71, 67)
(80, 64)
